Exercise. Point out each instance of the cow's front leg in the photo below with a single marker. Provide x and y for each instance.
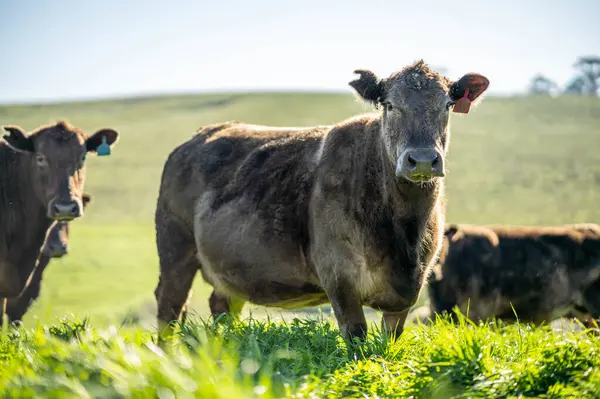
(392, 323)
(347, 307)
(336, 265)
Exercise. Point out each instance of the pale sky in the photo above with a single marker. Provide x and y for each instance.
(73, 49)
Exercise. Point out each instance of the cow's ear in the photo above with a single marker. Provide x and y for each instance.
(86, 199)
(451, 230)
(369, 87)
(467, 90)
(103, 137)
(453, 233)
(18, 140)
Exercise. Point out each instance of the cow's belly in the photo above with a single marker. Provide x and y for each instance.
(239, 257)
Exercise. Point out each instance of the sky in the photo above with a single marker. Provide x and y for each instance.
(73, 49)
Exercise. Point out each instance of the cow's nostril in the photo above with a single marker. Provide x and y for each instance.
(436, 161)
(411, 161)
(56, 208)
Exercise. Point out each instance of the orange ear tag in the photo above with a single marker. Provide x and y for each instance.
(463, 104)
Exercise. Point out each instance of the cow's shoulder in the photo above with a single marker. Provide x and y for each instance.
(347, 156)
(347, 138)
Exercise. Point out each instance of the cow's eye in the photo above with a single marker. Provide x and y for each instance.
(450, 104)
(40, 159)
(388, 106)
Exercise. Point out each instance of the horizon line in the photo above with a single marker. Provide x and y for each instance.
(176, 93)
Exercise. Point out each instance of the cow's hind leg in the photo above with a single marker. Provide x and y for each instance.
(178, 267)
(222, 304)
(184, 308)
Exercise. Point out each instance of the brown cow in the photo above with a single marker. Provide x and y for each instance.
(544, 273)
(42, 178)
(56, 246)
(350, 214)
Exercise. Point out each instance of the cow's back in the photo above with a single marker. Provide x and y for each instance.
(268, 167)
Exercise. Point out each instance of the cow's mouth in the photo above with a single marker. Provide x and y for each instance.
(57, 252)
(420, 178)
(63, 218)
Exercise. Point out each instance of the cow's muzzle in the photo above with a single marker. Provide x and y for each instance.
(420, 165)
(59, 250)
(65, 211)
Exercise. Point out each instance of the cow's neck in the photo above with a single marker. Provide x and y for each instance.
(24, 221)
(395, 212)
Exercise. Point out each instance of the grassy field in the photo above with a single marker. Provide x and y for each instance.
(512, 160)
(299, 359)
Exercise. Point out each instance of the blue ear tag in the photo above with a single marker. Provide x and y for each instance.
(103, 149)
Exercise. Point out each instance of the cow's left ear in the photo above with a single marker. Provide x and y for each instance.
(18, 140)
(86, 199)
(466, 90)
(368, 86)
(103, 136)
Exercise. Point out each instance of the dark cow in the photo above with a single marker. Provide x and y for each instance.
(350, 214)
(56, 246)
(544, 273)
(42, 178)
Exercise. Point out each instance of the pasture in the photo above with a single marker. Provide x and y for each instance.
(521, 160)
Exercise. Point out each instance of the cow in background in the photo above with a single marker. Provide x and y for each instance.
(42, 177)
(544, 273)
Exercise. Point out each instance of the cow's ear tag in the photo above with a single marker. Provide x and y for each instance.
(103, 149)
(463, 104)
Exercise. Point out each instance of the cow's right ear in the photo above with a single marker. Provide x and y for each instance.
(369, 87)
(18, 140)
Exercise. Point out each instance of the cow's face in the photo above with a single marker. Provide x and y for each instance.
(57, 154)
(57, 240)
(417, 102)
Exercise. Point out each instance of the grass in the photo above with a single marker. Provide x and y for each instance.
(516, 160)
(299, 359)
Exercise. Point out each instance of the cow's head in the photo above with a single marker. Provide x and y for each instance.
(57, 240)
(58, 153)
(416, 103)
